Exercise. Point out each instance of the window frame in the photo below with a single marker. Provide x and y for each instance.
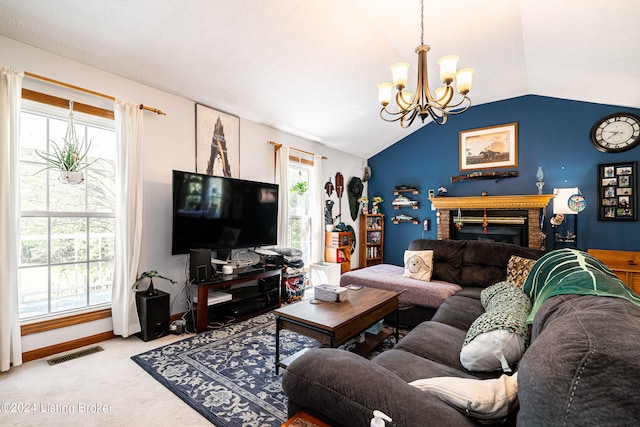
(295, 163)
(95, 117)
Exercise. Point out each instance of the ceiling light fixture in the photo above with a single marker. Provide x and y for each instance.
(423, 103)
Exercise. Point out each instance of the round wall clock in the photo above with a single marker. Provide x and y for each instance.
(616, 132)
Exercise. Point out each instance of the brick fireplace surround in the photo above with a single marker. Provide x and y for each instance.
(530, 202)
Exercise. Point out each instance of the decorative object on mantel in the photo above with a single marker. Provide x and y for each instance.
(473, 176)
(69, 157)
(423, 103)
(539, 178)
(442, 191)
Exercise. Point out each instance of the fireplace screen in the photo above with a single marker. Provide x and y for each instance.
(497, 226)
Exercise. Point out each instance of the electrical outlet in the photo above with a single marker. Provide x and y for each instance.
(425, 225)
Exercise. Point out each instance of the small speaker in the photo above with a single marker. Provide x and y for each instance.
(153, 312)
(200, 268)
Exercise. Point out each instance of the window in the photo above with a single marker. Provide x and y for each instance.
(300, 178)
(67, 232)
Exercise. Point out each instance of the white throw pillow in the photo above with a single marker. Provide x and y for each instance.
(485, 400)
(493, 350)
(418, 265)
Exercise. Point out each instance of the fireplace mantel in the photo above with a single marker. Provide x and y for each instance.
(532, 203)
(526, 201)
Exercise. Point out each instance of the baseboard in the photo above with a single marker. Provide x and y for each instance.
(66, 346)
(72, 345)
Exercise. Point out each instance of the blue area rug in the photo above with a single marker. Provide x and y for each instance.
(228, 375)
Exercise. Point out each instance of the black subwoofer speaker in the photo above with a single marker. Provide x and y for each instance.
(200, 268)
(153, 312)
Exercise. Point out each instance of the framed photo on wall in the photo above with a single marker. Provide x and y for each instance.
(491, 147)
(617, 191)
(217, 142)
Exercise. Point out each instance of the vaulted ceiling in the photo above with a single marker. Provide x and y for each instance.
(311, 67)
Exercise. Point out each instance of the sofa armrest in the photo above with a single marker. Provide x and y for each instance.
(345, 389)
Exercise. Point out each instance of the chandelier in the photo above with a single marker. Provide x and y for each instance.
(423, 103)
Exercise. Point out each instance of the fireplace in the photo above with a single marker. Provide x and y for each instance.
(508, 226)
(510, 217)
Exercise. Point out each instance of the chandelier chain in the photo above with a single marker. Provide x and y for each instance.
(421, 21)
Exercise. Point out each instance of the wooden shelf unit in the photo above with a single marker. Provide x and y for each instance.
(337, 248)
(371, 239)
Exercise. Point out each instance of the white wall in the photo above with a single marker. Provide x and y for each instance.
(169, 143)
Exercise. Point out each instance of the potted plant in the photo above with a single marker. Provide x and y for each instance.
(68, 158)
(299, 187)
(150, 275)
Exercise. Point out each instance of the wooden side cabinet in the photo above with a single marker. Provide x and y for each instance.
(625, 264)
(337, 248)
(371, 240)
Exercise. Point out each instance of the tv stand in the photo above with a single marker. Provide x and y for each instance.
(247, 302)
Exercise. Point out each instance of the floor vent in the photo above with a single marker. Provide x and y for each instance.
(76, 355)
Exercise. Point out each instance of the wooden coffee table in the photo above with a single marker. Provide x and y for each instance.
(334, 323)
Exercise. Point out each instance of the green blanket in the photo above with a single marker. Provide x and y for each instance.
(570, 271)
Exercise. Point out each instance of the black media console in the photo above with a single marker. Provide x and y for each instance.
(248, 298)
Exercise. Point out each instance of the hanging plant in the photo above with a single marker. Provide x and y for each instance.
(68, 158)
(299, 187)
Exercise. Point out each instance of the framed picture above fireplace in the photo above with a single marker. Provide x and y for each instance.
(490, 147)
(618, 191)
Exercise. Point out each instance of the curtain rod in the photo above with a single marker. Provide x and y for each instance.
(81, 89)
(277, 147)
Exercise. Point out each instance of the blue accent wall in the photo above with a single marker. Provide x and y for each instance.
(552, 133)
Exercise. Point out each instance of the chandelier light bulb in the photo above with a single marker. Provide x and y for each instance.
(464, 76)
(448, 66)
(384, 92)
(400, 72)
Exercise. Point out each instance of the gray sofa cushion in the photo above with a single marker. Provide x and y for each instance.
(344, 389)
(435, 341)
(472, 263)
(460, 311)
(583, 365)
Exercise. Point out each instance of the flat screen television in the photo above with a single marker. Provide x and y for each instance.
(218, 213)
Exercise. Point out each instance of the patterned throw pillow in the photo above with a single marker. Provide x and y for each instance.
(518, 269)
(498, 337)
(418, 265)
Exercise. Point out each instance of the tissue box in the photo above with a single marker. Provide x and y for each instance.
(330, 293)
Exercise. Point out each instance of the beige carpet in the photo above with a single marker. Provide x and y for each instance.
(105, 388)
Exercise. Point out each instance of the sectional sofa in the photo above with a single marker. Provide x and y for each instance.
(581, 365)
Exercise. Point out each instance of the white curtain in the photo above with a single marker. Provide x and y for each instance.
(10, 99)
(282, 176)
(128, 120)
(317, 212)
